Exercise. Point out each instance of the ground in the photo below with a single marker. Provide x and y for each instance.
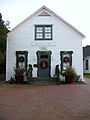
(45, 102)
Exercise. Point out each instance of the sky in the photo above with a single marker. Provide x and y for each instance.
(76, 12)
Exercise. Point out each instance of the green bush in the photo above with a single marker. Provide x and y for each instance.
(12, 80)
(29, 73)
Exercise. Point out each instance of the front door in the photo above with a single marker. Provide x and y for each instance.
(44, 63)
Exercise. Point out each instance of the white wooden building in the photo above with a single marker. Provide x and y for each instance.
(86, 59)
(44, 40)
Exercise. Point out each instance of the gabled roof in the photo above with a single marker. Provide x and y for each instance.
(86, 51)
(45, 9)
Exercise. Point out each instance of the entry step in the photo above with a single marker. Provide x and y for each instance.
(43, 81)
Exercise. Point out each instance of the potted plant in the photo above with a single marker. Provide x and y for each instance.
(19, 75)
(70, 74)
(28, 74)
(57, 73)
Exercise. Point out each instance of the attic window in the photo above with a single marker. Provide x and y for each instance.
(43, 32)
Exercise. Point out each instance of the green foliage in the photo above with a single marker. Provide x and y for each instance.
(3, 37)
(12, 80)
(29, 73)
(78, 78)
(70, 71)
(1, 58)
(55, 76)
(57, 71)
(87, 75)
(19, 71)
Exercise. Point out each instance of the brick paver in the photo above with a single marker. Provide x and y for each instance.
(56, 102)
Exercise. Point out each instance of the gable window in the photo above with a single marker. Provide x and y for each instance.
(43, 32)
(86, 64)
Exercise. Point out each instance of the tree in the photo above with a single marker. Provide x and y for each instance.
(3, 37)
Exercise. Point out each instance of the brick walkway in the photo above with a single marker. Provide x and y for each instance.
(57, 102)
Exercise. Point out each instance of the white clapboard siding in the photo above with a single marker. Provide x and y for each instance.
(64, 39)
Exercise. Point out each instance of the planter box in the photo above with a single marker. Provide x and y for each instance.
(70, 79)
(19, 79)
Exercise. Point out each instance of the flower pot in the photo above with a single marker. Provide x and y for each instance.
(19, 79)
(70, 79)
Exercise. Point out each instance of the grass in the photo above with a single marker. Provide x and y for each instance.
(87, 75)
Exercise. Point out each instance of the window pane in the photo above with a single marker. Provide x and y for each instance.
(43, 32)
(47, 29)
(43, 56)
(46, 56)
(48, 35)
(39, 29)
(86, 64)
(39, 35)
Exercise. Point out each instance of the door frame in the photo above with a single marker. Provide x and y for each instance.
(41, 52)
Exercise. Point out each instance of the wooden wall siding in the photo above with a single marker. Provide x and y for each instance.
(64, 39)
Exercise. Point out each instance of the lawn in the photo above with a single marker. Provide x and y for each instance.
(87, 75)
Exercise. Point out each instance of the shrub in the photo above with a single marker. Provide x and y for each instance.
(19, 71)
(12, 80)
(70, 71)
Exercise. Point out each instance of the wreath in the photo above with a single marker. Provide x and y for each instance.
(66, 59)
(21, 59)
(44, 64)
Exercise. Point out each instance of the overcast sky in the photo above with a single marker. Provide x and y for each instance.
(76, 12)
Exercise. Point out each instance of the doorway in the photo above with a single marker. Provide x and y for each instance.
(44, 63)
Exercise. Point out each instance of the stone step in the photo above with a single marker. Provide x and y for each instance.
(43, 81)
